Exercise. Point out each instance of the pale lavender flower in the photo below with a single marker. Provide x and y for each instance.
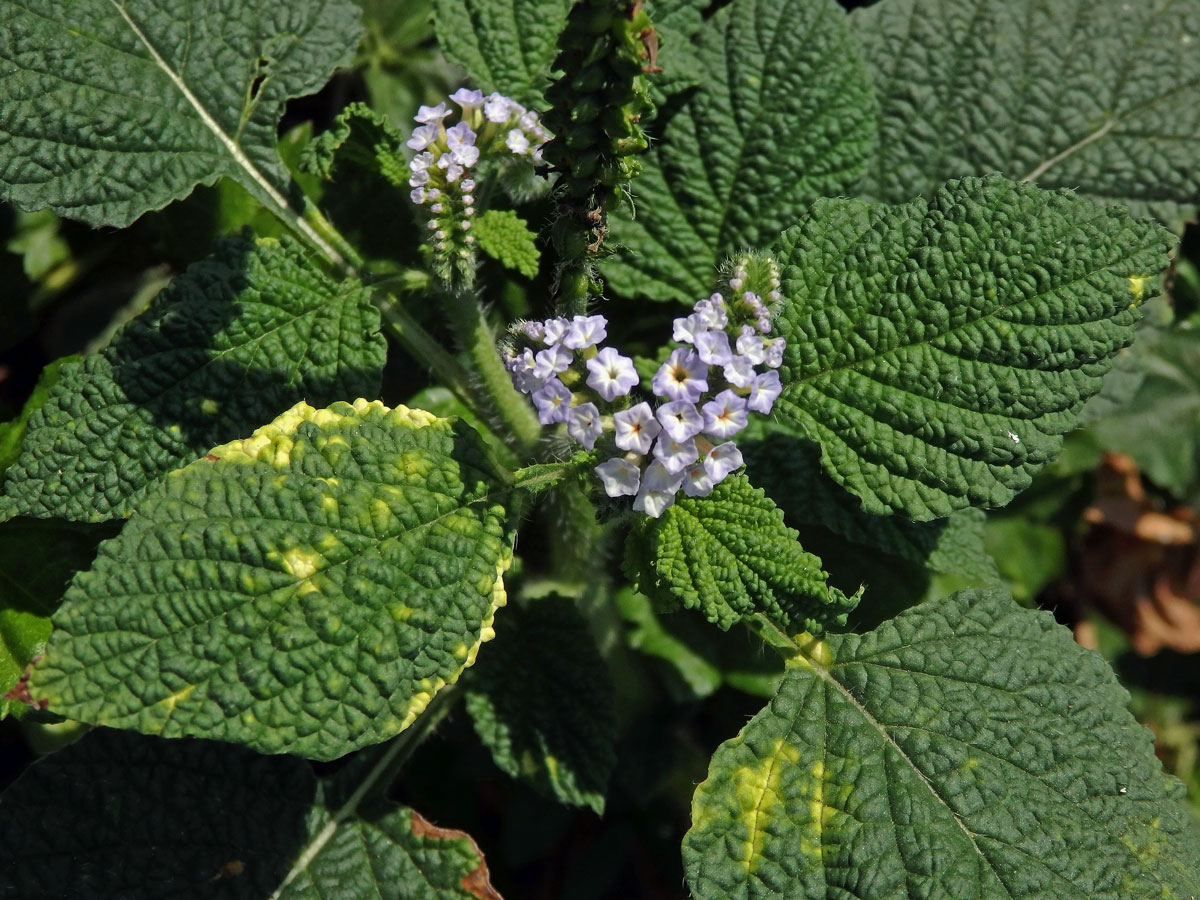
(521, 368)
(740, 372)
(552, 400)
(468, 185)
(423, 136)
(750, 345)
(555, 329)
(460, 140)
(764, 392)
(724, 415)
(653, 503)
(611, 375)
(764, 324)
(713, 348)
(417, 196)
(636, 428)
(497, 108)
(517, 142)
(721, 460)
(467, 99)
(682, 377)
(675, 456)
(685, 328)
(657, 491)
(453, 169)
(583, 424)
(535, 331)
(431, 115)
(711, 312)
(585, 331)
(696, 481)
(620, 477)
(437, 208)
(774, 354)
(551, 361)
(680, 419)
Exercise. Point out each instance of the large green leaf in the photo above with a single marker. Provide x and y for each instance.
(811, 499)
(782, 116)
(938, 351)
(505, 45)
(966, 750)
(542, 701)
(12, 433)
(115, 108)
(730, 556)
(1102, 96)
(229, 345)
(37, 559)
(150, 819)
(306, 590)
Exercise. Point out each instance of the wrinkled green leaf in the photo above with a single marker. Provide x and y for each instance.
(782, 116)
(1101, 96)
(938, 351)
(150, 819)
(227, 346)
(12, 433)
(113, 109)
(542, 702)
(730, 556)
(966, 749)
(505, 45)
(505, 236)
(793, 478)
(1160, 427)
(306, 590)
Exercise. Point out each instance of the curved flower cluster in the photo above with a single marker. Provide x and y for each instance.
(441, 178)
(723, 370)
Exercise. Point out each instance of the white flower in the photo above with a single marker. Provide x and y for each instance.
(774, 355)
(680, 419)
(611, 375)
(468, 185)
(467, 99)
(430, 115)
(517, 142)
(453, 169)
(552, 401)
(460, 140)
(620, 477)
(417, 196)
(684, 329)
(653, 503)
(423, 136)
(724, 415)
(675, 456)
(750, 345)
(764, 392)
(585, 331)
(682, 377)
(583, 424)
(721, 460)
(636, 428)
(696, 481)
(658, 490)
(535, 331)
(497, 108)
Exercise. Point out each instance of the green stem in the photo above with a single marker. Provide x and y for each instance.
(423, 348)
(327, 230)
(511, 409)
(537, 478)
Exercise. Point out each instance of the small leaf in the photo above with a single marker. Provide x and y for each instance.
(113, 109)
(37, 560)
(938, 351)
(149, 819)
(307, 590)
(505, 236)
(730, 556)
(966, 749)
(1102, 96)
(542, 702)
(228, 345)
(505, 45)
(782, 116)
(1160, 427)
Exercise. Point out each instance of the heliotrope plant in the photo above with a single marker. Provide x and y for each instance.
(903, 310)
